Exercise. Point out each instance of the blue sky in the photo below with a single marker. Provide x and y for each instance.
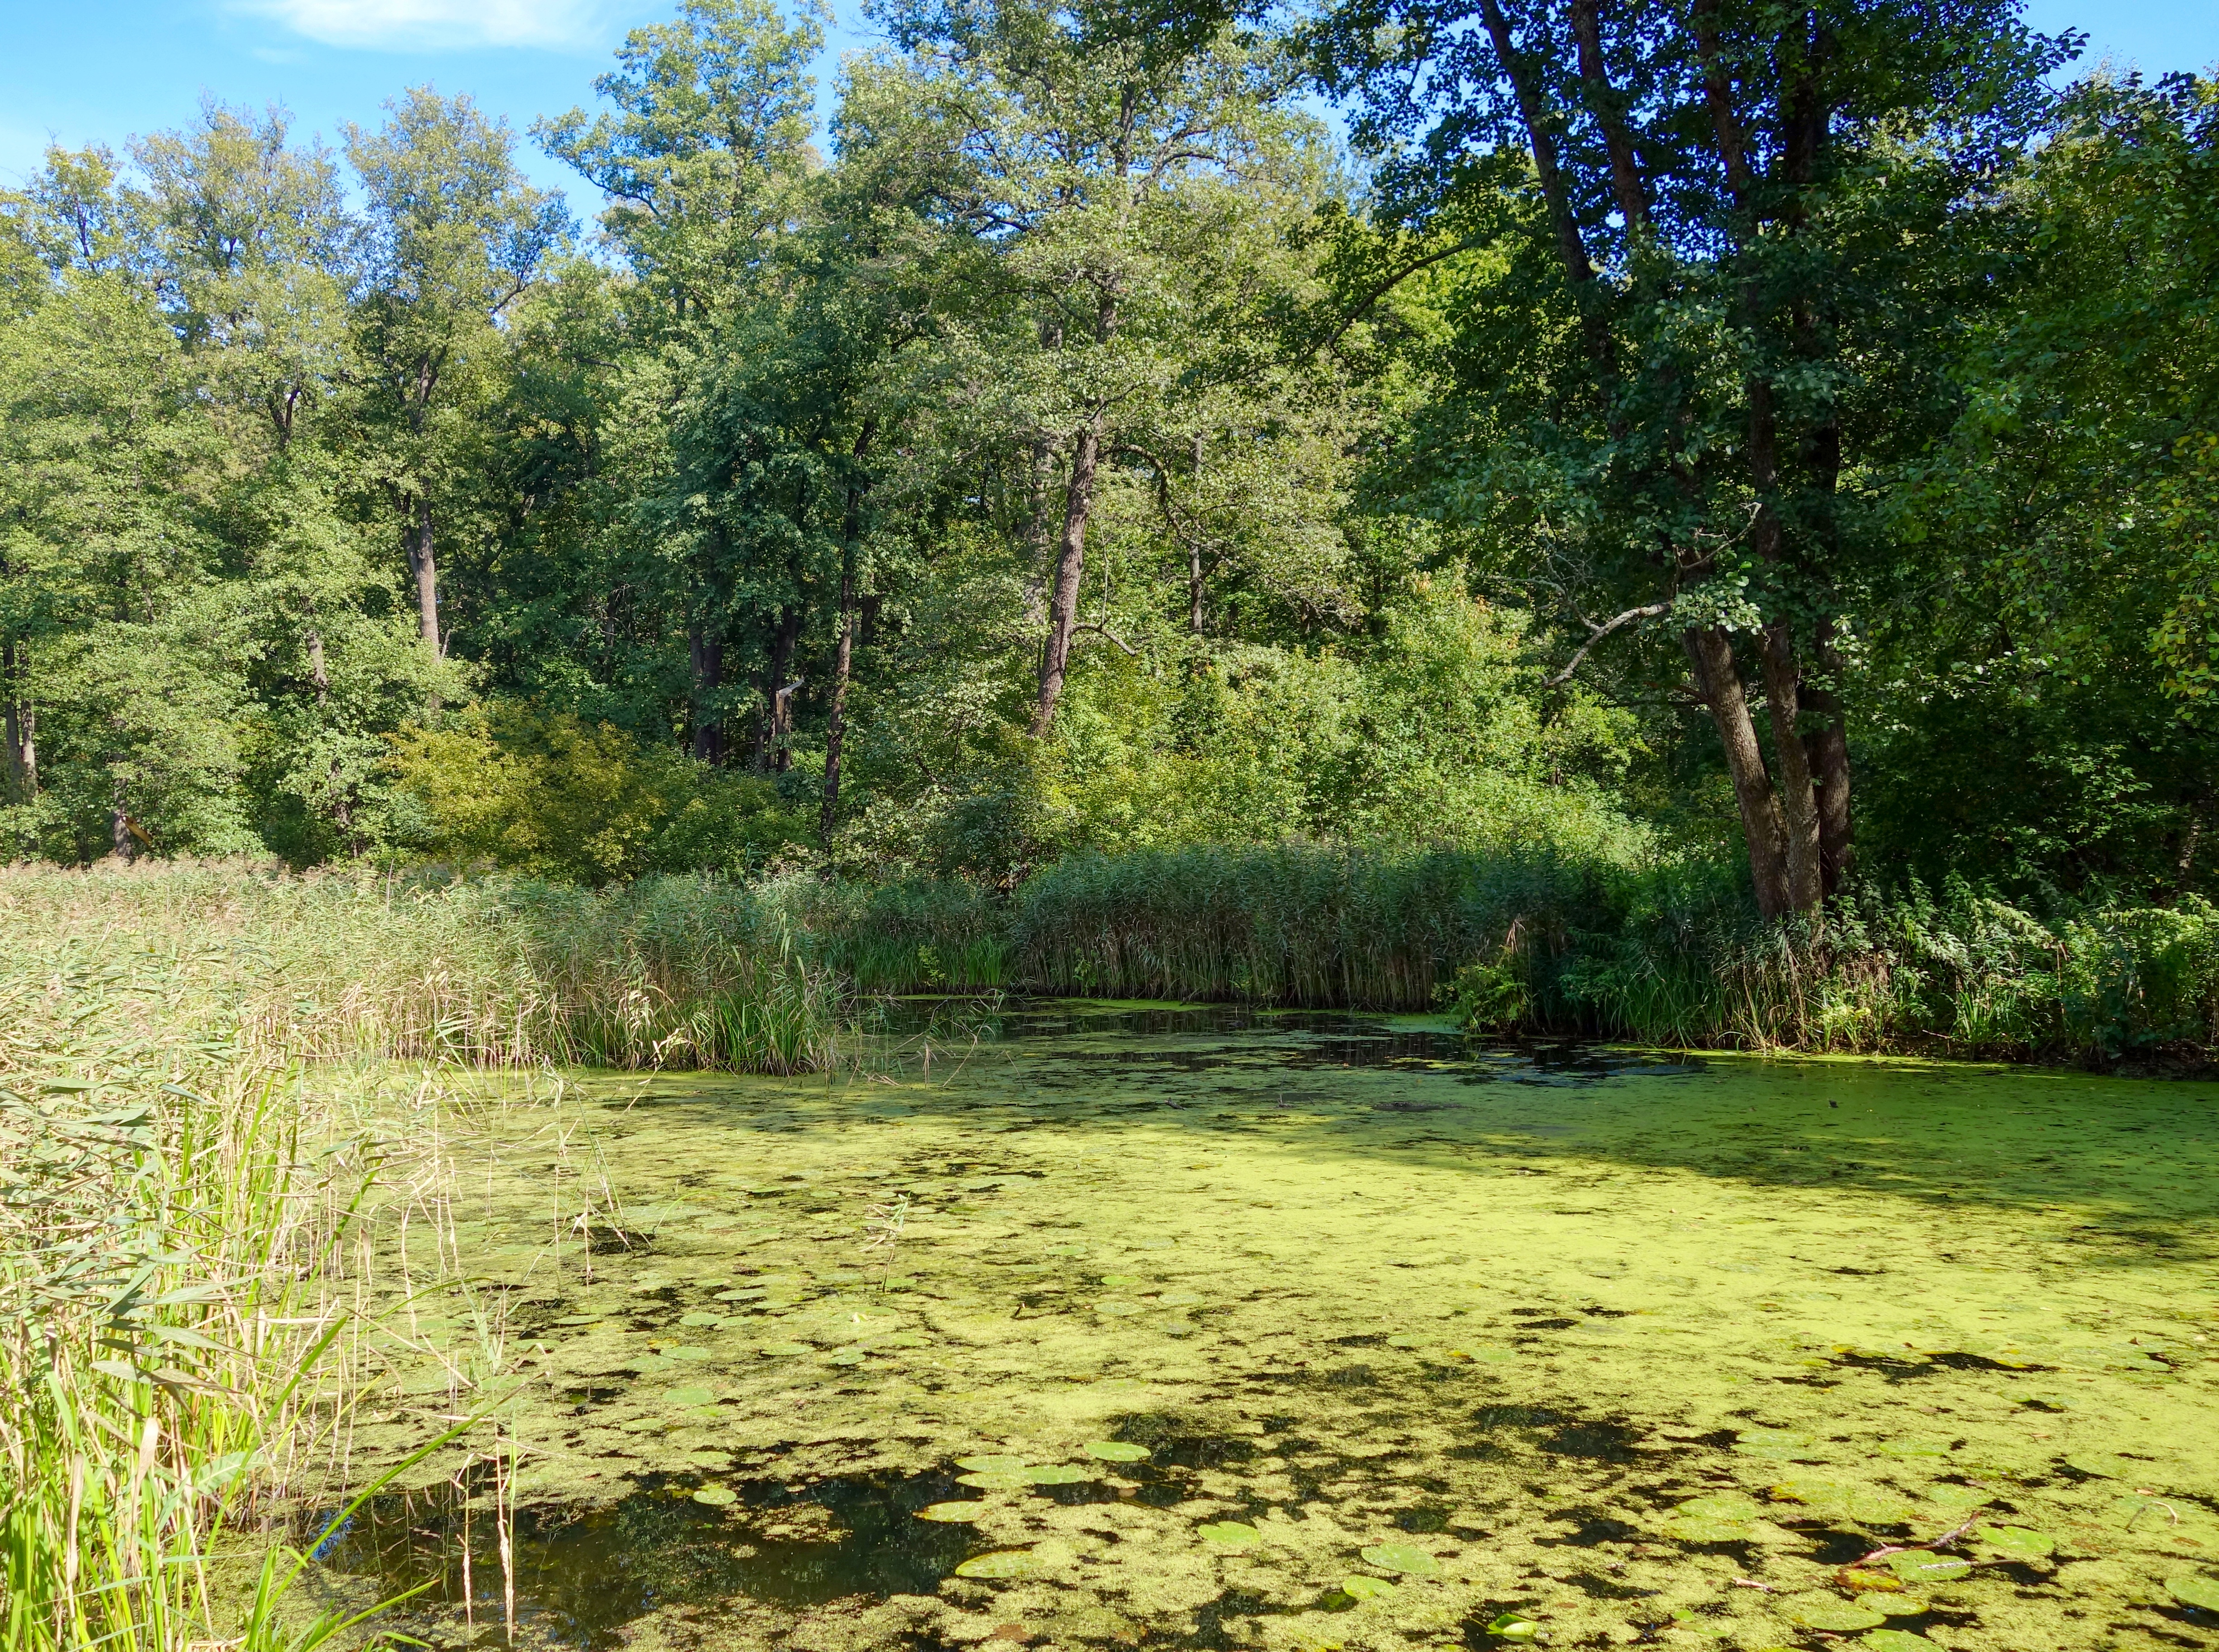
(85, 71)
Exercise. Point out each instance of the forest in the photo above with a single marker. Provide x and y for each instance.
(1657, 443)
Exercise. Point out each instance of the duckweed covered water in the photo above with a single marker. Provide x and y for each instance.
(1200, 1329)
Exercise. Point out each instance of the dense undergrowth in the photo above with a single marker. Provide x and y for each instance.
(704, 971)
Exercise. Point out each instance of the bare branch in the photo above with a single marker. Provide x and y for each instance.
(1651, 610)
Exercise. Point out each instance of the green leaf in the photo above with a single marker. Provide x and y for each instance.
(2194, 1589)
(2019, 1542)
(1118, 1450)
(998, 1480)
(1511, 1627)
(1358, 1586)
(1060, 1473)
(1924, 1566)
(968, 1509)
(1001, 1562)
(1831, 1613)
(991, 1465)
(692, 1396)
(717, 1497)
(1895, 1640)
(1402, 1557)
(1229, 1534)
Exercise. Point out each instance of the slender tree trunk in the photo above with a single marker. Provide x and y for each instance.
(1719, 679)
(22, 725)
(708, 723)
(1070, 569)
(423, 564)
(1040, 475)
(836, 727)
(771, 733)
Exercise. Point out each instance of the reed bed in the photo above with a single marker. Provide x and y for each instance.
(668, 973)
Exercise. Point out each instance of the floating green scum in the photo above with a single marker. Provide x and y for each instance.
(1411, 1345)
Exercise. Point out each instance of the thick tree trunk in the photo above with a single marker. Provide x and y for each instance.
(21, 730)
(424, 564)
(707, 654)
(1827, 740)
(119, 821)
(1719, 679)
(1069, 568)
(836, 726)
(1798, 794)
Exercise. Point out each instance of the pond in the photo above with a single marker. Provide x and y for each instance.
(1088, 1326)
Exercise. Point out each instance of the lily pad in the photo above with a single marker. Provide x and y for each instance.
(692, 1396)
(717, 1497)
(1178, 1299)
(2019, 1542)
(1706, 1529)
(1001, 1562)
(581, 1319)
(1831, 1613)
(699, 1320)
(1229, 1534)
(1924, 1566)
(786, 1350)
(991, 1465)
(1120, 1281)
(1403, 1340)
(1511, 1627)
(845, 1356)
(1720, 1506)
(966, 1509)
(998, 1479)
(747, 1294)
(1117, 1451)
(1358, 1586)
(686, 1353)
(1402, 1557)
(2194, 1589)
(1060, 1474)
(1895, 1640)
(1778, 1444)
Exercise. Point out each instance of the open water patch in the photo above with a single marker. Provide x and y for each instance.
(580, 1574)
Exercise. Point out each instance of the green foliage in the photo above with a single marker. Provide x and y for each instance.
(552, 796)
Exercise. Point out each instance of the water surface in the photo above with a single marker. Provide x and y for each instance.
(1377, 1340)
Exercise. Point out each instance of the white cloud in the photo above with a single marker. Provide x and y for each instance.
(558, 25)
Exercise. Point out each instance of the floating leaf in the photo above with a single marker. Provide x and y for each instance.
(1118, 1450)
(1229, 1534)
(968, 1509)
(991, 1465)
(1358, 1586)
(998, 1479)
(786, 1350)
(1895, 1640)
(1779, 1444)
(1868, 1579)
(717, 1497)
(1001, 1562)
(1178, 1299)
(699, 1320)
(845, 1356)
(1720, 1506)
(1404, 1341)
(1402, 1557)
(1060, 1473)
(2019, 1542)
(581, 1319)
(692, 1396)
(1511, 1627)
(1706, 1528)
(2107, 1465)
(1120, 1281)
(1831, 1613)
(747, 1294)
(2192, 1589)
(686, 1353)
(1924, 1566)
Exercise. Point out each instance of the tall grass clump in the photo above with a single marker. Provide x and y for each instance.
(665, 973)
(1293, 925)
(171, 1211)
